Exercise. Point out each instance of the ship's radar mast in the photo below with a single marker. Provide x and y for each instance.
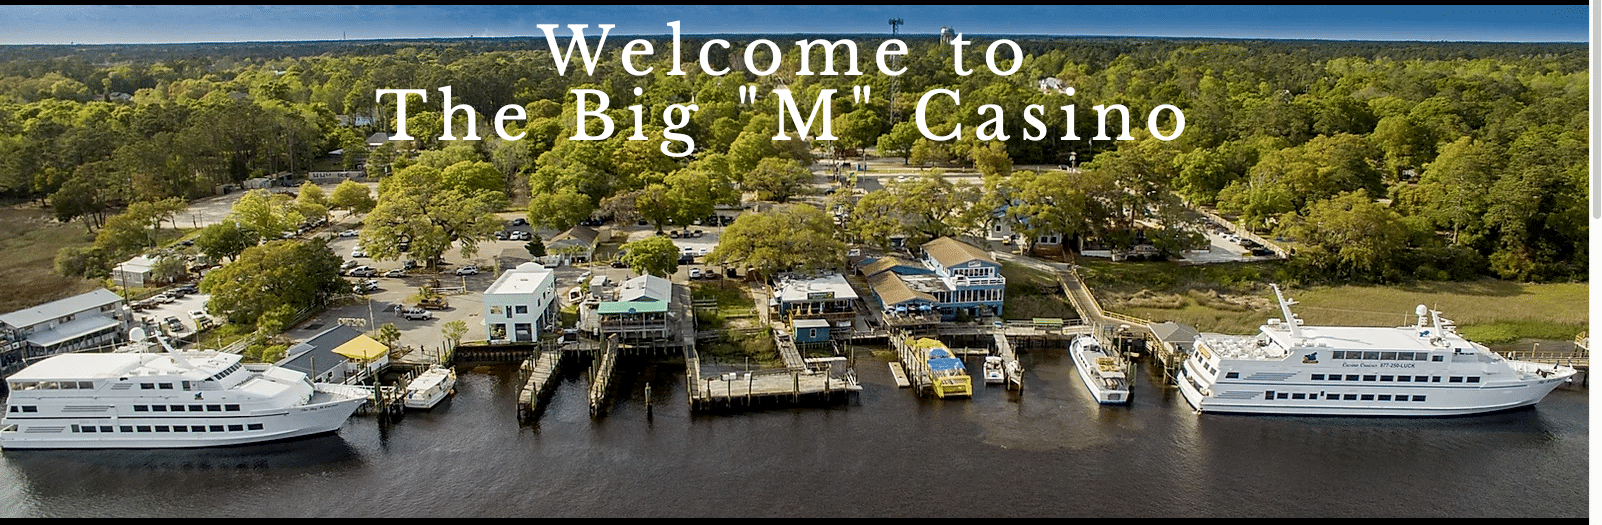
(1290, 318)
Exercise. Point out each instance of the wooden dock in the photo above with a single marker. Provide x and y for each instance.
(540, 378)
(900, 375)
(771, 388)
(601, 376)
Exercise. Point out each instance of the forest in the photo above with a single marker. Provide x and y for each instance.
(1379, 162)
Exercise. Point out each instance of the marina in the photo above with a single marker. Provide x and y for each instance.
(474, 460)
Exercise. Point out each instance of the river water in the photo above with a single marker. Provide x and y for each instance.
(1050, 452)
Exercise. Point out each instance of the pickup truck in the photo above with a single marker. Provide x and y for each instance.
(434, 303)
(416, 314)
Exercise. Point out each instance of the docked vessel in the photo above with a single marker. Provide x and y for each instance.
(1421, 370)
(430, 387)
(172, 399)
(994, 374)
(948, 377)
(1102, 373)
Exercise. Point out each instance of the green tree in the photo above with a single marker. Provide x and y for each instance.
(352, 196)
(777, 179)
(792, 238)
(225, 240)
(655, 255)
(290, 274)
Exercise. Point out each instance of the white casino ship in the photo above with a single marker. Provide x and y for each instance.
(167, 399)
(1422, 370)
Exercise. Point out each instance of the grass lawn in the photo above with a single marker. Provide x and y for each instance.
(1033, 293)
(1236, 298)
(29, 240)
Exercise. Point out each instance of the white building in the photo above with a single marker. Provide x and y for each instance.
(134, 273)
(94, 319)
(520, 304)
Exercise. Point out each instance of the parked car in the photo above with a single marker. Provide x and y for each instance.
(519, 222)
(357, 253)
(348, 266)
(347, 233)
(363, 271)
(695, 273)
(416, 314)
(173, 322)
(164, 298)
(366, 286)
(395, 273)
(434, 303)
(467, 270)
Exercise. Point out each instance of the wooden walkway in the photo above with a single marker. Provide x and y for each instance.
(601, 376)
(540, 378)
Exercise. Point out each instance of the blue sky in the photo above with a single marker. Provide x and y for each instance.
(168, 24)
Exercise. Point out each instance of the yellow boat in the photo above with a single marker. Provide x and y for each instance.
(946, 372)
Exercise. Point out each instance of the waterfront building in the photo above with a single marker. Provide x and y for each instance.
(577, 243)
(828, 297)
(337, 355)
(639, 314)
(971, 281)
(95, 319)
(519, 304)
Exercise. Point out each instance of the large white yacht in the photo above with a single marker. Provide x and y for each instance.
(1422, 370)
(1103, 373)
(169, 399)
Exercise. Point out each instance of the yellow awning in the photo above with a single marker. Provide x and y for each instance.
(362, 348)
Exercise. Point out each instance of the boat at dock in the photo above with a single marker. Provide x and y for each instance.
(1102, 373)
(429, 388)
(994, 372)
(947, 375)
(171, 399)
(1423, 370)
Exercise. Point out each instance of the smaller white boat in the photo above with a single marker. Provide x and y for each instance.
(994, 374)
(430, 387)
(1102, 373)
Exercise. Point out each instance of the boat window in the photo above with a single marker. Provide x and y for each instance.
(87, 429)
(30, 409)
(1435, 379)
(1232, 375)
(231, 408)
(1421, 379)
(158, 408)
(106, 428)
(236, 428)
(141, 408)
(1454, 379)
(166, 386)
(144, 428)
(1351, 377)
(1384, 397)
(1369, 378)
(1349, 397)
(1318, 377)
(196, 408)
(1338, 354)
(1368, 397)
(1418, 398)
(1474, 379)
(1283, 395)
(1404, 356)
(197, 428)
(1404, 379)
(1437, 358)
(147, 386)
(1298, 396)
(1387, 378)
(1268, 395)
(161, 428)
(216, 428)
(214, 408)
(254, 426)
(86, 385)
(1370, 355)
(125, 428)
(47, 385)
(1388, 356)
(68, 385)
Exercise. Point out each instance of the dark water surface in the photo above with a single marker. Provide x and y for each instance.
(1049, 452)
